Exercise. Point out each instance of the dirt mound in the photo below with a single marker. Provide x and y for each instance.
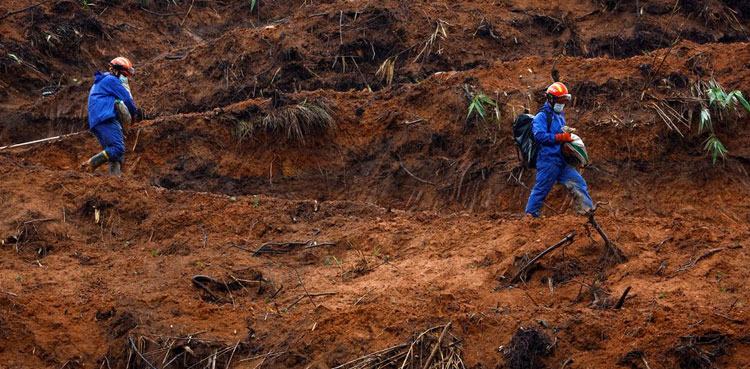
(308, 190)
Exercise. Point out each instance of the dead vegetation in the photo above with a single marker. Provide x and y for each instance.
(700, 352)
(296, 122)
(528, 348)
(169, 351)
(434, 348)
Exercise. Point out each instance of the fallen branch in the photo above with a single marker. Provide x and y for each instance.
(622, 298)
(315, 244)
(300, 297)
(266, 248)
(566, 240)
(692, 263)
(22, 10)
(363, 296)
(611, 250)
(737, 321)
(39, 141)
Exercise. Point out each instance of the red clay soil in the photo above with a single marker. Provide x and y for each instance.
(403, 214)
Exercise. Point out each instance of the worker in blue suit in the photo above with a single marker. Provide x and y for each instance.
(108, 88)
(551, 166)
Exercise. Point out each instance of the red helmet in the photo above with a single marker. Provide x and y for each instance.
(557, 92)
(123, 65)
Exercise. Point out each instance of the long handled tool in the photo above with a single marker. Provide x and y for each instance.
(39, 141)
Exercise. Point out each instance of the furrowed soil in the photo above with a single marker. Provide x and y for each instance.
(234, 240)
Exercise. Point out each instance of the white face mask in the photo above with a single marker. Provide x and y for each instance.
(559, 108)
(124, 81)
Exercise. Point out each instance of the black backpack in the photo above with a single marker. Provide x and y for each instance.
(528, 150)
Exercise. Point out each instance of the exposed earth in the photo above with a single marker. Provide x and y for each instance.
(234, 240)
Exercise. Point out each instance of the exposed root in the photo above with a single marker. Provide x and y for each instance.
(527, 347)
(700, 351)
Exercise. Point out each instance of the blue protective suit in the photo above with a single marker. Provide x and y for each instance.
(551, 166)
(102, 119)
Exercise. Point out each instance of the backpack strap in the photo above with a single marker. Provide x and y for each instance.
(549, 121)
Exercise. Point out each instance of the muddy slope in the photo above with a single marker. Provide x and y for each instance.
(230, 242)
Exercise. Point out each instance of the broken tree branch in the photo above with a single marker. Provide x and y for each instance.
(23, 10)
(622, 298)
(566, 240)
(611, 249)
(708, 253)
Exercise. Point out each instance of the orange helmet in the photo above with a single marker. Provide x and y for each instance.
(123, 65)
(557, 92)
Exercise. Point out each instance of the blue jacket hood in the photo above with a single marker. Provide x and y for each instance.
(106, 89)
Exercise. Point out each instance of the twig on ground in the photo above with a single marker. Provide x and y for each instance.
(188, 13)
(363, 296)
(566, 240)
(137, 135)
(132, 344)
(233, 350)
(566, 362)
(304, 288)
(315, 244)
(22, 10)
(737, 321)
(692, 263)
(622, 298)
(205, 236)
(661, 243)
(264, 248)
(311, 295)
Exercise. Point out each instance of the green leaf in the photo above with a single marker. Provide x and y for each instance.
(252, 5)
(471, 108)
(729, 99)
(480, 110)
(487, 100)
(743, 101)
(14, 57)
(705, 121)
(715, 148)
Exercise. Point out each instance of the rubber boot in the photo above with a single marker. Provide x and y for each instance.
(95, 161)
(115, 169)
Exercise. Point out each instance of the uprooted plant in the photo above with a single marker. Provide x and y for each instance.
(296, 121)
(478, 106)
(527, 348)
(716, 104)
